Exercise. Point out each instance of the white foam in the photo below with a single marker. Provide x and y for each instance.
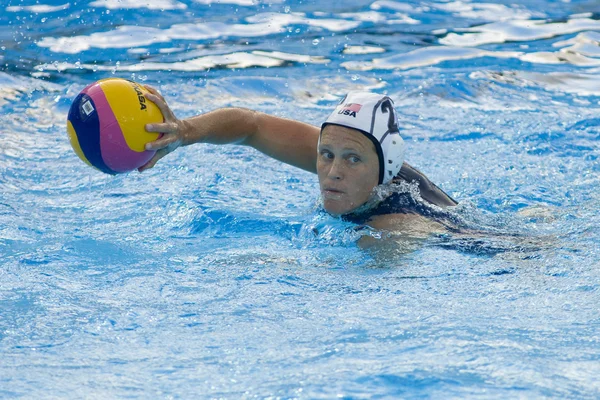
(283, 20)
(233, 60)
(363, 50)
(517, 31)
(122, 37)
(485, 11)
(130, 4)
(379, 17)
(393, 5)
(245, 3)
(301, 58)
(38, 8)
(427, 56)
(587, 84)
(560, 57)
(586, 44)
(135, 36)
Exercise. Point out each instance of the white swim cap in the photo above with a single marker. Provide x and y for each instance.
(374, 116)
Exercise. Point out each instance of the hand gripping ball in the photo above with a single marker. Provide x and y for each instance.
(106, 125)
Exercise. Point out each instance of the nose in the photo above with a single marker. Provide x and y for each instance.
(336, 171)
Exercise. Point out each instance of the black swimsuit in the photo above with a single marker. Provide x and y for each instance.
(432, 202)
(398, 203)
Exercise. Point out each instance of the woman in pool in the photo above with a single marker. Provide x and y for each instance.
(356, 153)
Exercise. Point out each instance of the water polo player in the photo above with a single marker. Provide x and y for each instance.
(357, 152)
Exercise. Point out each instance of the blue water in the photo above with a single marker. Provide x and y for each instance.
(214, 275)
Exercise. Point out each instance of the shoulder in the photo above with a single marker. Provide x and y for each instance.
(401, 233)
(410, 224)
(429, 191)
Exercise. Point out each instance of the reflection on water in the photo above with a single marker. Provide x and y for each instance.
(319, 35)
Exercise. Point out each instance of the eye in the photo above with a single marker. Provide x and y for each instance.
(354, 159)
(326, 154)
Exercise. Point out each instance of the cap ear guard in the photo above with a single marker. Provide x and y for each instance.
(393, 154)
(384, 128)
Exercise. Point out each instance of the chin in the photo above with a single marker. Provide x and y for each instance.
(336, 209)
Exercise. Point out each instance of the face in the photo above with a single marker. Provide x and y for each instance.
(348, 169)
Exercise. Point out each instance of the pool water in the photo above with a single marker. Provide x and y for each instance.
(215, 275)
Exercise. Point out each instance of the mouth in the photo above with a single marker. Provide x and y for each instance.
(329, 191)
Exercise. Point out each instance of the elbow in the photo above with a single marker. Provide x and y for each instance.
(251, 123)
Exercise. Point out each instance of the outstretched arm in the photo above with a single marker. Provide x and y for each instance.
(286, 140)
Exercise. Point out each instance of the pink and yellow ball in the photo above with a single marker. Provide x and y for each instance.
(106, 125)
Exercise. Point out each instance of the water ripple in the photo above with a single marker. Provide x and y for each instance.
(427, 56)
(129, 4)
(233, 60)
(130, 36)
(39, 8)
(222, 247)
(518, 30)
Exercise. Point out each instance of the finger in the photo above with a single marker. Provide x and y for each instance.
(150, 164)
(161, 143)
(162, 106)
(154, 93)
(153, 90)
(164, 127)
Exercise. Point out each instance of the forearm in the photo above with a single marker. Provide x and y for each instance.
(222, 126)
(286, 140)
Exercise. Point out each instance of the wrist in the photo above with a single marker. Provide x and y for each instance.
(186, 133)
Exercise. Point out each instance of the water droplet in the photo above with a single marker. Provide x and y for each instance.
(286, 9)
(115, 68)
(315, 42)
(355, 77)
